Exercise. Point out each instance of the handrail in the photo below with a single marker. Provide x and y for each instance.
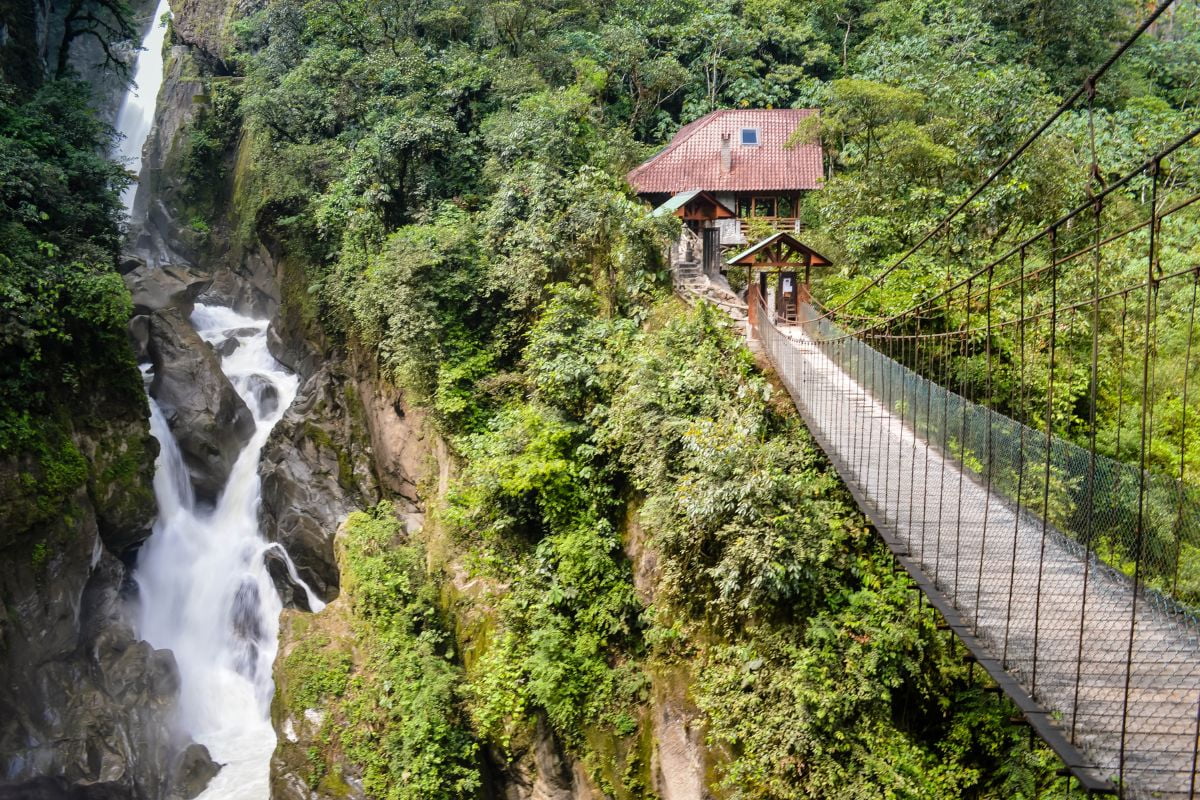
(1017, 578)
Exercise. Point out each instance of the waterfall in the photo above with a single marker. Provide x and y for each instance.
(137, 110)
(205, 590)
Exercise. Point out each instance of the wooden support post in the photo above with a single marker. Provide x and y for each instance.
(752, 308)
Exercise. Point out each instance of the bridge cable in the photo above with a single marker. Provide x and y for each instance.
(1087, 86)
(1093, 390)
(1140, 530)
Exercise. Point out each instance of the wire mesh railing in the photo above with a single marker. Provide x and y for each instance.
(1004, 520)
(1090, 499)
(1024, 433)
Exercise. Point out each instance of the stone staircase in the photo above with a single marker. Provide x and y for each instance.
(693, 286)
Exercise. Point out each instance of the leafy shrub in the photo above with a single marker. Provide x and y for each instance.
(398, 715)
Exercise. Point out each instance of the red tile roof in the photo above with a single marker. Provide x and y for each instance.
(693, 158)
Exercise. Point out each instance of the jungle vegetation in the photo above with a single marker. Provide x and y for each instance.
(65, 360)
(450, 175)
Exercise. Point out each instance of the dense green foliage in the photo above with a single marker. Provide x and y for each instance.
(387, 676)
(63, 307)
(448, 176)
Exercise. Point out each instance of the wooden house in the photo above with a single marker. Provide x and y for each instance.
(742, 164)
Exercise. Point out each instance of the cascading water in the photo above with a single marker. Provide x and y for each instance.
(204, 589)
(137, 110)
(204, 586)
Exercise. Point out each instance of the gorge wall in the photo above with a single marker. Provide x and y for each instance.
(82, 699)
(347, 442)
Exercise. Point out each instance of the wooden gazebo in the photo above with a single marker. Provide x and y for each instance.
(786, 255)
(695, 206)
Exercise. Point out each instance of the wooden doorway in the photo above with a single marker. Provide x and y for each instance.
(712, 251)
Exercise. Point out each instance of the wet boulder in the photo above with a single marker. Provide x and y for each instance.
(290, 591)
(227, 347)
(204, 412)
(193, 769)
(315, 470)
(265, 394)
(154, 288)
(84, 705)
(139, 337)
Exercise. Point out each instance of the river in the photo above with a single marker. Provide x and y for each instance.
(204, 591)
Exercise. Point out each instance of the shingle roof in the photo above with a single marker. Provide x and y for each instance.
(680, 200)
(693, 158)
(747, 257)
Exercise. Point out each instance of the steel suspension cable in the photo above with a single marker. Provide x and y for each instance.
(1145, 167)
(1087, 87)
(1140, 531)
(1183, 414)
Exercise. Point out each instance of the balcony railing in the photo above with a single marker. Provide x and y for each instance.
(789, 224)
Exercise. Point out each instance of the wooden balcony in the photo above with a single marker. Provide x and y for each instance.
(788, 224)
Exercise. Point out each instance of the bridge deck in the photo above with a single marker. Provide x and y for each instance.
(1064, 626)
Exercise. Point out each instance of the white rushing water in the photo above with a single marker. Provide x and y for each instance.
(137, 110)
(203, 583)
(204, 590)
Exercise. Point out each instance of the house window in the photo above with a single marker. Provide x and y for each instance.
(744, 207)
(764, 206)
(785, 207)
(750, 137)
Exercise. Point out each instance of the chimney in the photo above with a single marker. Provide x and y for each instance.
(726, 153)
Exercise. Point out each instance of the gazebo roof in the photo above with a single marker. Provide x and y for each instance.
(679, 202)
(780, 250)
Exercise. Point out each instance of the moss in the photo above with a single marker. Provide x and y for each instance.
(619, 763)
(333, 784)
(354, 406)
(126, 466)
(321, 437)
(375, 664)
(245, 201)
(38, 488)
(317, 670)
(318, 436)
(122, 489)
(38, 556)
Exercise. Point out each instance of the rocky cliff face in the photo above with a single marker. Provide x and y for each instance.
(82, 700)
(413, 466)
(204, 412)
(84, 704)
(316, 468)
(347, 442)
(30, 37)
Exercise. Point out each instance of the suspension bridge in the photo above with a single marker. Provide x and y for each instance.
(1064, 555)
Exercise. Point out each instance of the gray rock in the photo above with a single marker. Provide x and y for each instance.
(291, 593)
(248, 288)
(83, 704)
(282, 351)
(193, 770)
(172, 286)
(265, 394)
(315, 470)
(139, 337)
(542, 771)
(227, 347)
(130, 262)
(208, 418)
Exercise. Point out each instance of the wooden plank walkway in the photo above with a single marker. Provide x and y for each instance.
(1110, 672)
